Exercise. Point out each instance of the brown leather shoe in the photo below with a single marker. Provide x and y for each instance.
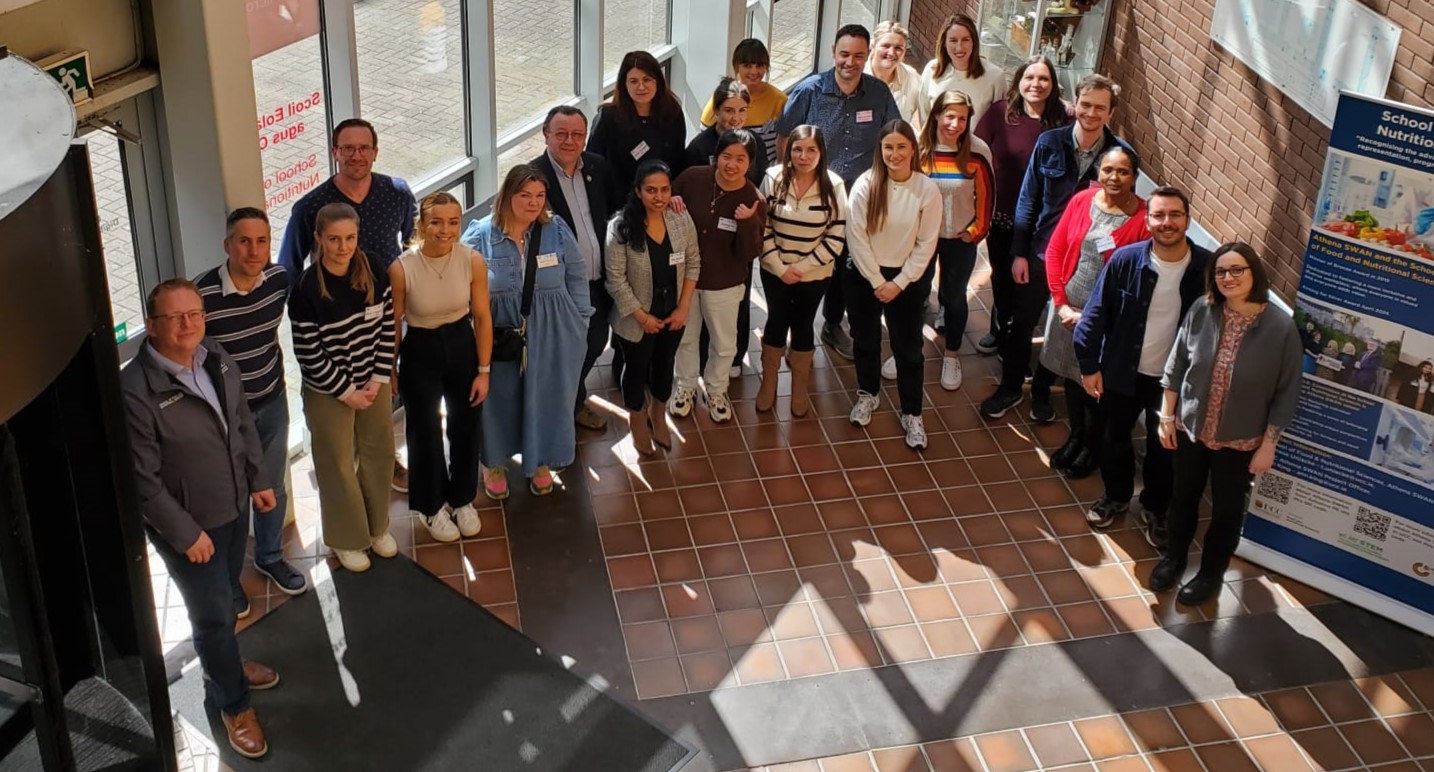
(260, 676)
(246, 737)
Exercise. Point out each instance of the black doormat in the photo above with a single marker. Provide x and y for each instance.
(407, 674)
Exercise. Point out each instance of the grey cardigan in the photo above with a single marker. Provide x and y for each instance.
(629, 272)
(1265, 382)
(192, 474)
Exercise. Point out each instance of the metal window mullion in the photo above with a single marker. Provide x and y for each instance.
(590, 27)
(828, 22)
(480, 98)
(759, 20)
(338, 46)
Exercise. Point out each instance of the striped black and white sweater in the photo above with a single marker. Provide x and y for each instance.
(344, 341)
(247, 326)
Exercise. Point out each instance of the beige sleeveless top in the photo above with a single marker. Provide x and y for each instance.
(437, 290)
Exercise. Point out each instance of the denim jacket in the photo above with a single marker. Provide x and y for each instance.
(1052, 178)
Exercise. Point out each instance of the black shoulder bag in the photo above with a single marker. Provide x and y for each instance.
(509, 342)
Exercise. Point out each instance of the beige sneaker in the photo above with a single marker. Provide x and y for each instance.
(468, 523)
(385, 546)
(353, 560)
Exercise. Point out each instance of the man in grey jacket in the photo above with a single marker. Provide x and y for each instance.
(197, 463)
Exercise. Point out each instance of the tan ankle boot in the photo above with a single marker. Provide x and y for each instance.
(641, 428)
(658, 412)
(771, 366)
(801, 364)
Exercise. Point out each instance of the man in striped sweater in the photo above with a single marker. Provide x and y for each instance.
(244, 302)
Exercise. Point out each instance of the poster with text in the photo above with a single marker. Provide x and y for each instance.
(1349, 505)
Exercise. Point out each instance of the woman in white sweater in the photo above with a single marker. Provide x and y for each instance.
(958, 66)
(888, 63)
(893, 222)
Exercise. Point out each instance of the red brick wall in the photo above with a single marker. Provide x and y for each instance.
(926, 18)
(1250, 158)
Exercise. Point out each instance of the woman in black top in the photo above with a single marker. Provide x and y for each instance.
(643, 121)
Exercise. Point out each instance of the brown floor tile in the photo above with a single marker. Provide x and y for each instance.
(985, 530)
(816, 458)
(706, 671)
(1127, 764)
(722, 560)
(687, 600)
(697, 634)
(667, 534)
(767, 555)
(727, 439)
(825, 581)
(623, 539)
(1388, 695)
(828, 486)
(959, 565)
(811, 550)
(948, 638)
(1049, 492)
(953, 755)
(1295, 709)
(677, 566)
(702, 500)
(1277, 752)
(657, 505)
(1129, 614)
(440, 559)
(855, 650)
(910, 477)
(1341, 701)
(649, 640)
(508, 612)
(1021, 593)
(712, 529)
(1085, 620)
(902, 539)
(869, 482)
(755, 524)
(977, 598)
(692, 471)
(612, 510)
(658, 678)
(1373, 742)
(905, 759)
(1105, 737)
(856, 455)
(805, 657)
(1416, 731)
(1008, 496)
(871, 576)
(1201, 723)
(1045, 556)
(1153, 730)
(1002, 560)
(784, 491)
(1248, 716)
(798, 519)
(744, 496)
(733, 593)
(743, 628)
(492, 588)
(631, 572)
(1326, 747)
(841, 514)
(774, 463)
(926, 505)
(1182, 760)
(1227, 757)
(1005, 752)
(884, 509)
(967, 501)
(1056, 745)
(1086, 550)
(994, 631)
(777, 588)
(792, 621)
(643, 605)
(487, 554)
(951, 472)
(737, 467)
(1064, 587)
(1421, 682)
(918, 569)
(854, 762)
(903, 644)
(931, 604)
(758, 664)
(1041, 626)
(1066, 521)
(886, 609)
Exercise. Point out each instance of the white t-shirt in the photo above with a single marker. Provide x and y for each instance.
(1163, 319)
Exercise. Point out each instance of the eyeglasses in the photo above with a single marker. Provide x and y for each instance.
(1234, 273)
(567, 136)
(349, 150)
(194, 316)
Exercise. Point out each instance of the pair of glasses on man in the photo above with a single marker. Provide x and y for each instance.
(1233, 272)
(176, 318)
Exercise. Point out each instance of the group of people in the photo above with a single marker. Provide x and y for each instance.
(849, 193)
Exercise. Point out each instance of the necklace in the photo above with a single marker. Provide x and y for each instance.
(432, 263)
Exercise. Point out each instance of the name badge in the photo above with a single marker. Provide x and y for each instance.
(1105, 243)
(863, 116)
(726, 224)
(372, 312)
(640, 151)
(677, 258)
(548, 261)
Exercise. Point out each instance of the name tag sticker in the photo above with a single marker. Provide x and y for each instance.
(1105, 243)
(863, 116)
(727, 224)
(372, 312)
(677, 258)
(641, 150)
(548, 261)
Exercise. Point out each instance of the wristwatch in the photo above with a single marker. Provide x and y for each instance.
(485, 369)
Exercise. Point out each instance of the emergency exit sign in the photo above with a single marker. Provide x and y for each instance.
(72, 70)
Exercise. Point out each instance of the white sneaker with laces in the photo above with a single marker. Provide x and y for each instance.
(950, 373)
(384, 546)
(681, 403)
(862, 410)
(915, 431)
(468, 523)
(888, 369)
(440, 526)
(353, 560)
(719, 408)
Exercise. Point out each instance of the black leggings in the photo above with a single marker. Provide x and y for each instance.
(958, 260)
(1086, 419)
(998, 249)
(649, 364)
(903, 328)
(792, 308)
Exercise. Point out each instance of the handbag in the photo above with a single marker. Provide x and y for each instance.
(509, 342)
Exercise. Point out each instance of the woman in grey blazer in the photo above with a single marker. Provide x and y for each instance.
(652, 267)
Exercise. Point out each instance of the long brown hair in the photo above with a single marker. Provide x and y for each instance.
(876, 205)
(931, 132)
(360, 275)
(664, 104)
(975, 68)
(789, 172)
(436, 198)
(1055, 114)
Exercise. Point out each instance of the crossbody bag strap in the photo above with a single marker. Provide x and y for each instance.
(530, 272)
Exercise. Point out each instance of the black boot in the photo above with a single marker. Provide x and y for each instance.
(1084, 465)
(1067, 453)
(1199, 589)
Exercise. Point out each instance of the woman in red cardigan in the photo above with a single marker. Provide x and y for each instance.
(1097, 221)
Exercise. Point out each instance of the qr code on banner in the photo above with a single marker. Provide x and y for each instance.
(1371, 524)
(1275, 487)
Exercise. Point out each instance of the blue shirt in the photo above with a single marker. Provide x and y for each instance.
(386, 220)
(195, 380)
(850, 124)
(1053, 177)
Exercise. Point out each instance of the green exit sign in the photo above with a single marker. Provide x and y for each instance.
(72, 70)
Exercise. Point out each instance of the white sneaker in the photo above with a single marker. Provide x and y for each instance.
(719, 408)
(353, 560)
(384, 546)
(888, 369)
(861, 411)
(915, 431)
(950, 373)
(440, 526)
(681, 403)
(468, 523)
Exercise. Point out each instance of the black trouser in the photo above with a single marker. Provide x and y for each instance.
(834, 305)
(1228, 472)
(1117, 460)
(903, 328)
(1086, 418)
(209, 591)
(744, 332)
(958, 260)
(792, 308)
(998, 250)
(439, 365)
(1027, 302)
(598, 331)
(650, 364)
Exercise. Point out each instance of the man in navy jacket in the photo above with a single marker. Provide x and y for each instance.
(1124, 336)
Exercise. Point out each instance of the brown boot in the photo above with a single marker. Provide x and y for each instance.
(801, 364)
(641, 430)
(657, 411)
(246, 737)
(771, 365)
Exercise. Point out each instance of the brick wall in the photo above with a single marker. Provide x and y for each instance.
(1250, 158)
(926, 18)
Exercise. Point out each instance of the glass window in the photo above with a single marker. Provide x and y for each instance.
(116, 234)
(861, 12)
(522, 153)
(410, 57)
(793, 46)
(632, 25)
(534, 55)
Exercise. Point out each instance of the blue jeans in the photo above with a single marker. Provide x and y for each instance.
(271, 420)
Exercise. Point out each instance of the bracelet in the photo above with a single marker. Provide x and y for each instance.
(1167, 419)
(485, 369)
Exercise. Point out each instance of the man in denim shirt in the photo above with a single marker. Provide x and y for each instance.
(850, 107)
(1062, 164)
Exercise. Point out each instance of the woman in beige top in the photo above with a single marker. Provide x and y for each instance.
(445, 334)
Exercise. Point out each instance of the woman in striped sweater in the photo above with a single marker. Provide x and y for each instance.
(341, 309)
(804, 237)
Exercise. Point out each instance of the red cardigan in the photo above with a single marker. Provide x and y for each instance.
(1063, 250)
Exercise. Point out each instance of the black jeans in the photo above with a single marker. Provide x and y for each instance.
(744, 332)
(1228, 472)
(209, 590)
(438, 366)
(1027, 302)
(958, 260)
(998, 249)
(792, 309)
(1117, 461)
(649, 367)
(598, 331)
(903, 327)
(834, 305)
(1087, 420)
